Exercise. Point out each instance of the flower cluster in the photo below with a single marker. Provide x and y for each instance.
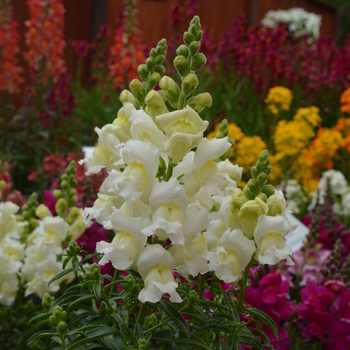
(31, 249)
(345, 101)
(300, 22)
(171, 196)
(10, 72)
(279, 99)
(45, 39)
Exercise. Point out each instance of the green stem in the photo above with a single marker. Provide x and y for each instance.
(201, 286)
(242, 292)
(156, 326)
(181, 102)
(105, 299)
(141, 314)
(115, 277)
(63, 340)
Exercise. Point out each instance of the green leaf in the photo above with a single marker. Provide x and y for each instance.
(38, 316)
(91, 256)
(75, 264)
(248, 339)
(96, 288)
(94, 334)
(265, 319)
(121, 322)
(61, 274)
(203, 314)
(80, 300)
(113, 342)
(39, 335)
(261, 334)
(192, 340)
(65, 262)
(79, 317)
(138, 333)
(172, 313)
(67, 296)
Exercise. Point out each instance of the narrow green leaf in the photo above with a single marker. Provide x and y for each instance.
(39, 335)
(203, 314)
(38, 316)
(265, 319)
(80, 300)
(112, 342)
(138, 333)
(75, 264)
(261, 334)
(248, 339)
(91, 256)
(67, 296)
(96, 288)
(91, 336)
(61, 274)
(80, 317)
(65, 262)
(172, 313)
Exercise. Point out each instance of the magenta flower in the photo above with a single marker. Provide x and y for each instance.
(318, 323)
(339, 335)
(273, 288)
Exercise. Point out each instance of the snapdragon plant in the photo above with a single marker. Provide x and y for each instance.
(185, 235)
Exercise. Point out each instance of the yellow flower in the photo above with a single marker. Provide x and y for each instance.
(234, 132)
(247, 150)
(291, 137)
(345, 101)
(279, 98)
(309, 115)
(276, 174)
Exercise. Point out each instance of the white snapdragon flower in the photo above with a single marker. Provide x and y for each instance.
(126, 244)
(269, 237)
(277, 204)
(168, 202)
(249, 214)
(52, 233)
(43, 274)
(184, 130)
(8, 223)
(234, 253)
(205, 168)
(8, 288)
(144, 129)
(155, 266)
(345, 202)
(136, 181)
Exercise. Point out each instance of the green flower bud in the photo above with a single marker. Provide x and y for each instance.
(127, 96)
(189, 84)
(199, 102)
(143, 72)
(153, 53)
(262, 196)
(42, 211)
(150, 63)
(188, 38)
(73, 248)
(154, 79)
(160, 59)
(199, 35)
(136, 87)
(198, 61)
(254, 171)
(57, 194)
(194, 47)
(61, 205)
(33, 222)
(54, 320)
(183, 51)
(181, 65)
(261, 178)
(62, 326)
(150, 321)
(238, 199)
(275, 208)
(170, 88)
(2, 185)
(269, 190)
(47, 301)
(160, 70)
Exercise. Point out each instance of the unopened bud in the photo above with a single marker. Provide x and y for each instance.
(194, 47)
(199, 102)
(42, 211)
(188, 38)
(183, 51)
(150, 63)
(154, 79)
(127, 96)
(62, 326)
(189, 84)
(269, 190)
(198, 61)
(143, 72)
(181, 65)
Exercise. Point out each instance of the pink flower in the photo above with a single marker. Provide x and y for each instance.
(273, 288)
(253, 297)
(318, 323)
(336, 287)
(279, 311)
(339, 335)
(343, 307)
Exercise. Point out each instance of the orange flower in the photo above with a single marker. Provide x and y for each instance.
(345, 101)
(45, 39)
(10, 72)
